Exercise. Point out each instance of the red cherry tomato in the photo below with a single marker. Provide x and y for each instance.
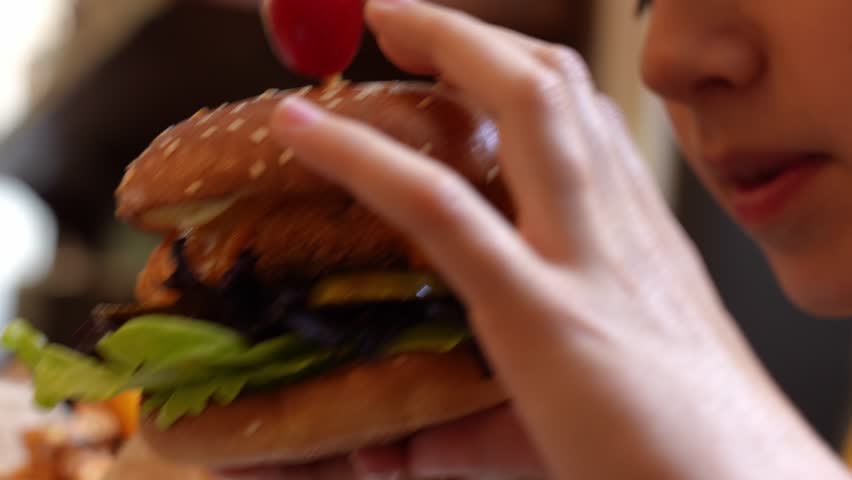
(315, 38)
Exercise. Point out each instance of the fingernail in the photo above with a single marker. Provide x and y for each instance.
(295, 112)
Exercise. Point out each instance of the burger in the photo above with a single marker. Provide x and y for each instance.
(280, 320)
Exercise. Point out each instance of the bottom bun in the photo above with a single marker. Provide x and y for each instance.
(365, 405)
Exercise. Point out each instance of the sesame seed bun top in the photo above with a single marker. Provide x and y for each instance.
(201, 165)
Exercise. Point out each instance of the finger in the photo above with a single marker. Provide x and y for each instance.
(267, 473)
(540, 96)
(417, 64)
(488, 445)
(483, 59)
(385, 462)
(336, 469)
(462, 235)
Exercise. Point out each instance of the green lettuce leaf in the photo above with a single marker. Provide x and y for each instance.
(25, 342)
(229, 389)
(183, 365)
(265, 352)
(60, 373)
(192, 399)
(155, 401)
(160, 341)
(189, 400)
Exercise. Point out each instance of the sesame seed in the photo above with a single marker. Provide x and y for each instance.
(166, 137)
(252, 428)
(396, 86)
(334, 103)
(239, 108)
(304, 90)
(492, 174)
(209, 132)
(194, 187)
(205, 118)
(286, 156)
(172, 147)
(236, 124)
(333, 80)
(129, 174)
(367, 91)
(268, 94)
(333, 90)
(425, 102)
(199, 113)
(257, 169)
(426, 149)
(260, 135)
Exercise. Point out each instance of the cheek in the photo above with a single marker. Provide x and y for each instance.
(683, 125)
(809, 48)
(818, 283)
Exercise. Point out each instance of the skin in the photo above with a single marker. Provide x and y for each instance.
(766, 63)
(654, 381)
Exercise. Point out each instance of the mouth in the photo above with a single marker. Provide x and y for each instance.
(762, 186)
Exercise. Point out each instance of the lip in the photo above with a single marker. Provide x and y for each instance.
(762, 186)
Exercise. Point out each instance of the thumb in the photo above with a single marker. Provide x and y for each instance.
(491, 444)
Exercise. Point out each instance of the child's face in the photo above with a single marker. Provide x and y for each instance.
(760, 94)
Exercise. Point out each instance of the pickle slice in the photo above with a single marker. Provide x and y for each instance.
(376, 287)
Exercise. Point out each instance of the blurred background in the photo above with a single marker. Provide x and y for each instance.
(86, 84)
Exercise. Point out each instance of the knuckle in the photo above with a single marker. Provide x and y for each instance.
(537, 88)
(566, 61)
(445, 24)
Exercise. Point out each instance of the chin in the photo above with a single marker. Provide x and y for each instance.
(821, 292)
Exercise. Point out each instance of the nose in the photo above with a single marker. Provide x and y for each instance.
(691, 52)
